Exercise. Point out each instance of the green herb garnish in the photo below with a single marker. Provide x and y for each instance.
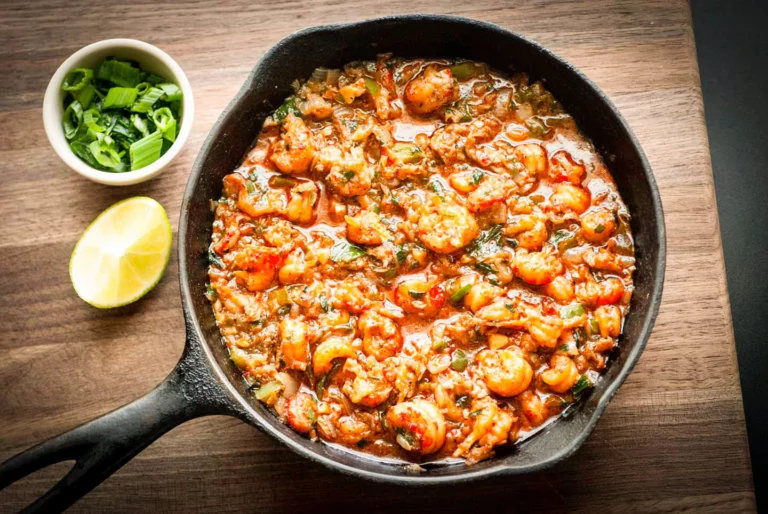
(344, 251)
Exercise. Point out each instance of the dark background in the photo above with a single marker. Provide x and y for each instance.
(732, 47)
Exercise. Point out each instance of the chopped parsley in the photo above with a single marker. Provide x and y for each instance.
(344, 251)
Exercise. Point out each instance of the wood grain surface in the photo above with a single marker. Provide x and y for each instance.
(672, 439)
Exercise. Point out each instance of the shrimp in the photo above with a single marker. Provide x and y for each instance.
(303, 197)
(366, 228)
(561, 289)
(530, 231)
(532, 407)
(452, 394)
(502, 313)
(562, 373)
(254, 200)
(481, 294)
(293, 151)
(492, 190)
(608, 320)
(256, 267)
(429, 90)
(491, 428)
(316, 107)
(230, 237)
(419, 296)
(446, 226)
(598, 225)
(332, 348)
(294, 267)
(538, 268)
(568, 197)
(381, 335)
(604, 259)
(368, 388)
(348, 172)
(533, 157)
(605, 292)
(294, 344)
(419, 426)
(350, 294)
(351, 91)
(563, 168)
(301, 412)
(449, 142)
(505, 372)
(545, 332)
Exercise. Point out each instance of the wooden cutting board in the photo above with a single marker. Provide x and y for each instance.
(674, 436)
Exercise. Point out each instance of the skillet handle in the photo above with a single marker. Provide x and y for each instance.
(102, 446)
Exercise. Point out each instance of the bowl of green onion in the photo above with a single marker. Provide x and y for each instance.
(118, 111)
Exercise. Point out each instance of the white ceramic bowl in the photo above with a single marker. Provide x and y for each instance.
(150, 58)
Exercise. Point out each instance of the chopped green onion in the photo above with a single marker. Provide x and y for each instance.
(105, 155)
(147, 100)
(153, 79)
(267, 390)
(165, 123)
(84, 95)
(460, 361)
(93, 120)
(143, 87)
(288, 107)
(416, 295)
(571, 311)
(120, 97)
(372, 86)
(599, 228)
(81, 149)
(141, 124)
(145, 151)
(581, 386)
(463, 71)
(460, 293)
(441, 345)
(214, 259)
(593, 326)
(407, 152)
(73, 117)
(77, 79)
(172, 91)
(344, 251)
(120, 73)
(282, 181)
(477, 176)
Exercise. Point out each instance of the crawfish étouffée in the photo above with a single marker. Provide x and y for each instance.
(420, 259)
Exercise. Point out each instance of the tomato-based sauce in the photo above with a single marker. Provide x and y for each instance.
(420, 259)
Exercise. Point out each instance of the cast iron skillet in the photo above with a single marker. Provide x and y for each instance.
(205, 382)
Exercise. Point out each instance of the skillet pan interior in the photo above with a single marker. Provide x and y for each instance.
(424, 36)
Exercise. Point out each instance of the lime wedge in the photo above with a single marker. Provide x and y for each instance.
(123, 254)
